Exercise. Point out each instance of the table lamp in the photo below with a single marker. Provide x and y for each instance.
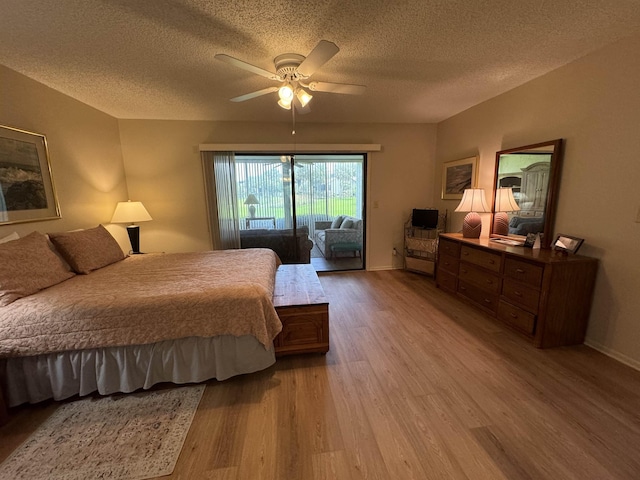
(252, 201)
(473, 201)
(505, 202)
(131, 212)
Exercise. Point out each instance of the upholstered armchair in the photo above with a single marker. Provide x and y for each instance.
(342, 231)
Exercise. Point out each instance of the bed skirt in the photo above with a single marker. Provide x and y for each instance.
(126, 369)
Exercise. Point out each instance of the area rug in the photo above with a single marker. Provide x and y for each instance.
(132, 437)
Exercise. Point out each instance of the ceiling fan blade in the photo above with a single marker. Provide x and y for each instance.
(337, 88)
(299, 108)
(321, 54)
(247, 66)
(249, 96)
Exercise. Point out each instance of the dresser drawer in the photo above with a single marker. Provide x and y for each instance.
(483, 298)
(448, 247)
(516, 317)
(482, 278)
(448, 263)
(521, 294)
(484, 258)
(446, 280)
(523, 271)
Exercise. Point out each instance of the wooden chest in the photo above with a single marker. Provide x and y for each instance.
(303, 310)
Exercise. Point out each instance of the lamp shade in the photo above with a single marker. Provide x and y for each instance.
(251, 200)
(286, 93)
(303, 96)
(286, 104)
(505, 202)
(130, 212)
(473, 200)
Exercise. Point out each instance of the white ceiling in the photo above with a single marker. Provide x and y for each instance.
(421, 60)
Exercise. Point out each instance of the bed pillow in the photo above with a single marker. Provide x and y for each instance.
(87, 250)
(28, 266)
(8, 238)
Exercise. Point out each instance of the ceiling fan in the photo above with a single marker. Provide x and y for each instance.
(292, 72)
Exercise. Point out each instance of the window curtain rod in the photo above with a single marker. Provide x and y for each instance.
(289, 147)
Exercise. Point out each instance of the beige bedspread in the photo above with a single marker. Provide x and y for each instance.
(145, 299)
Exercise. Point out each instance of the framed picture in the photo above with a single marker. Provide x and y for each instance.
(567, 243)
(26, 187)
(458, 175)
(530, 240)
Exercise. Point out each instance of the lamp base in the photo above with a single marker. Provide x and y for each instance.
(501, 223)
(472, 225)
(252, 211)
(134, 238)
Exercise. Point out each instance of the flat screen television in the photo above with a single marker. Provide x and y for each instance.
(424, 218)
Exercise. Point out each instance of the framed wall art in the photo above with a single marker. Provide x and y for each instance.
(27, 193)
(458, 175)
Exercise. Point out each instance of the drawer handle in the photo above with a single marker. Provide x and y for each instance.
(487, 300)
(513, 315)
(447, 263)
(492, 262)
(466, 254)
(489, 282)
(463, 270)
(462, 288)
(519, 270)
(517, 293)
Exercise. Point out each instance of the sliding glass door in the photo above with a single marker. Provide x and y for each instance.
(309, 206)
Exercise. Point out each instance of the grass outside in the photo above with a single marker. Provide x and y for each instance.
(331, 207)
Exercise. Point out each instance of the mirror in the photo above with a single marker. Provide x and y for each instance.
(533, 174)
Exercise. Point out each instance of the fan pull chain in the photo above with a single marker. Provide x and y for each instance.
(293, 116)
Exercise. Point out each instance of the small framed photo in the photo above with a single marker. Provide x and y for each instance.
(457, 176)
(530, 240)
(27, 193)
(567, 243)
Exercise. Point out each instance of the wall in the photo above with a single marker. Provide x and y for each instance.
(164, 171)
(84, 151)
(593, 104)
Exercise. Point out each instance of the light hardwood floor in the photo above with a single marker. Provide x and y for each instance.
(417, 385)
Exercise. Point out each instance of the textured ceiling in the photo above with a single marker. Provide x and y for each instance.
(421, 60)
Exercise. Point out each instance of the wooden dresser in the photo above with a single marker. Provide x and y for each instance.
(542, 293)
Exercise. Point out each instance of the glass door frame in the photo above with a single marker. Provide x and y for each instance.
(292, 193)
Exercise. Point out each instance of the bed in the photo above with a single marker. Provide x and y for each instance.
(107, 323)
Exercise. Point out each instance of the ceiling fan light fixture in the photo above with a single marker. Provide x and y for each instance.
(285, 104)
(303, 96)
(286, 93)
(292, 70)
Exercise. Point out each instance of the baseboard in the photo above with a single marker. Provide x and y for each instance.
(377, 269)
(630, 362)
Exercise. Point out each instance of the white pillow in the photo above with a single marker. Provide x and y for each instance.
(8, 238)
(337, 221)
(347, 224)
